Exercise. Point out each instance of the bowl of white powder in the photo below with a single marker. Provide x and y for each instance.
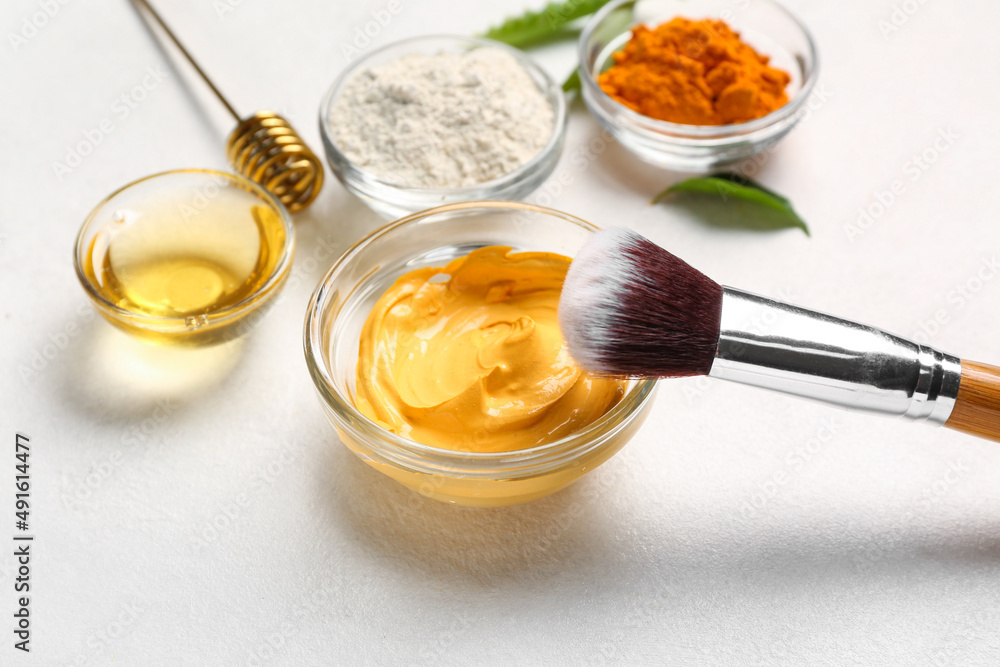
(435, 120)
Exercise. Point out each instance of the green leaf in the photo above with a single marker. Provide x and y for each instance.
(767, 209)
(739, 179)
(534, 27)
(572, 82)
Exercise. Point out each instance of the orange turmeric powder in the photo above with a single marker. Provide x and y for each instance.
(696, 73)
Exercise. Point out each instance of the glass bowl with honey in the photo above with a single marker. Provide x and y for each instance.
(187, 257)
(337, 317)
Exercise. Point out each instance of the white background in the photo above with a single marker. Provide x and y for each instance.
(738, 527)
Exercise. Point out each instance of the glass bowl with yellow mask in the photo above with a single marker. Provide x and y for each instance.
(435, 348)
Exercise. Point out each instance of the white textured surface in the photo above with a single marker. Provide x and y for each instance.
(737, 528)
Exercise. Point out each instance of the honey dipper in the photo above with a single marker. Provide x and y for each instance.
(264, 147)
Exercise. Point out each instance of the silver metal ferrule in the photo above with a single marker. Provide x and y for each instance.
(774, 345)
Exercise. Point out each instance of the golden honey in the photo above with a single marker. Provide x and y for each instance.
(174, 265)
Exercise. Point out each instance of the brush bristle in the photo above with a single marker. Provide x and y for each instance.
(629, 307)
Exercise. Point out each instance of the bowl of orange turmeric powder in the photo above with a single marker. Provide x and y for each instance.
(695, 85)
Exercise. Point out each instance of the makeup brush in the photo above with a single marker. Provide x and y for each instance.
(629, 307)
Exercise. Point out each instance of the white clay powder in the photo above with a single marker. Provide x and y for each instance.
(443, 120)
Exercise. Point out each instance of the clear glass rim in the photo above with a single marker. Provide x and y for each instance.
(552, 91)
(315, 344)
(277, 274)
(698, 131)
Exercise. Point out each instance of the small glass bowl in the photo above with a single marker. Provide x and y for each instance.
(346, 295)
(392, 200)
(192, 192)
(767, 26)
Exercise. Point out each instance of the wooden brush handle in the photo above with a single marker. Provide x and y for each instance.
(977, 409)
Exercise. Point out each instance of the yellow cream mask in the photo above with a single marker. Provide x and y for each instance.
(469, 357)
